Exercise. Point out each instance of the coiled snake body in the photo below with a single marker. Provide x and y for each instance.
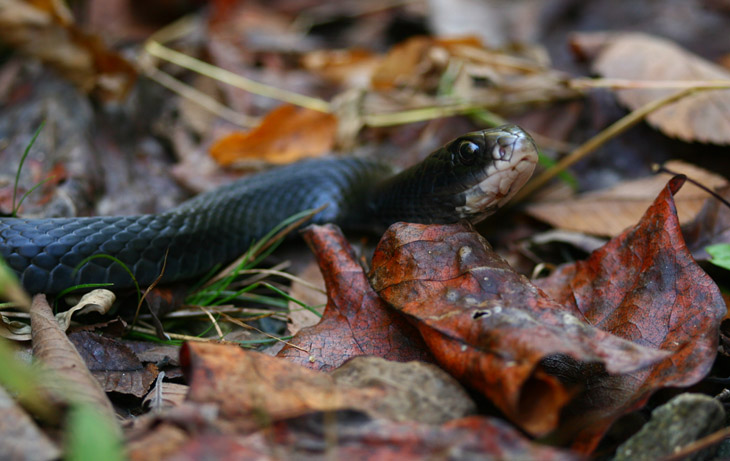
(468, 178)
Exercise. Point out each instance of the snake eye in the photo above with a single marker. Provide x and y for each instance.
(467, 152)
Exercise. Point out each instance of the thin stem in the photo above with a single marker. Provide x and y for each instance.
(601, 138)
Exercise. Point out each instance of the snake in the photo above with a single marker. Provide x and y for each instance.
(468, 179)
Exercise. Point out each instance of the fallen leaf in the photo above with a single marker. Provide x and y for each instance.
(634, 56)
(20, 437)
(286, 134)
(353, 436)
(490, 327)
(356, 321)
(710, 226)
(51, 347)
(351, 68)
(99, 301)
(250, 388)
(409, 63)
(300, 317)
(46, 31)
(156, 443)
(609, 212)
(645, 287)
(113, 364)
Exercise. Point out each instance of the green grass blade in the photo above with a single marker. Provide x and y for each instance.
(20, 167)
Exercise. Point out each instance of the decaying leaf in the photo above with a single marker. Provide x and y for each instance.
(354, 436)
(489, 326)
(700, 117)
(51, 346)
(356, 321)
(711, 226)
(46, 30)
(286, 134)
(609, 212)
(643, 286)
(20, 438)
(351, 68)
(113, 364)
(639, 314)
(99, 301)
(239, 382)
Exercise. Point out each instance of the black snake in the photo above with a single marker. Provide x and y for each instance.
(468, 178)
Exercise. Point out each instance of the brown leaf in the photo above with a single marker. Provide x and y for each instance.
(159, 442)
(701, 117)
(409, 63)
(353, 436)
(356, 321)
(20, 438)
(244, 384)
(300, 317)
(113, 364)
(351, 68)
(645, 287)
(710, 226)
(45, 30)
(287, 134)
(489, 326)
(249, 388)
(52, 347)
(609, 212)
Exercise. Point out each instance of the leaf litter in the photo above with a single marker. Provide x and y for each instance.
(560, 358)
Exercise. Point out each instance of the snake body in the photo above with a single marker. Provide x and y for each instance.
(468, 178)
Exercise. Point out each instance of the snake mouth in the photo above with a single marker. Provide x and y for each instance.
(514, 156)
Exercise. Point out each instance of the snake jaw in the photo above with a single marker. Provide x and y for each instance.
(514, 156)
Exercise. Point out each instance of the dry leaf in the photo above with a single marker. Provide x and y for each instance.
(45, 30)
(99, 301)
(52, 347)
(20, 438)
(701, 117)
(113, 364)
(355, 321)
(286, 134)
(348, 435)
(350, 68)
(608, 212)
(408, 64)
(489, 326)
(643, 286)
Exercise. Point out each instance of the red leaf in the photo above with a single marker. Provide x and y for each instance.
(356, 321)
(490, 327)
(643, 286)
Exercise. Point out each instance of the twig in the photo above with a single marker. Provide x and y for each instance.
(698, 445)
(198, 97)
(619, 83)
(196, 65)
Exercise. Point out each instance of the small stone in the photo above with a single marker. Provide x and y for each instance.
(674, 425)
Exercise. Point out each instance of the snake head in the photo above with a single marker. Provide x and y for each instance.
(493, 165)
